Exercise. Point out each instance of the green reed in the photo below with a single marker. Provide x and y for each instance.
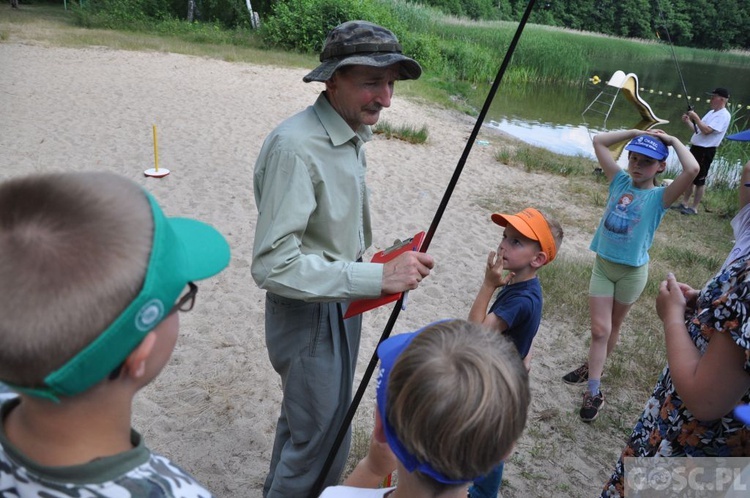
(406, 133)
(451, 50)
(472, 50)
(544, 161)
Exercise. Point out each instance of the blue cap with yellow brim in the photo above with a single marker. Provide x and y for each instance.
(183, 250)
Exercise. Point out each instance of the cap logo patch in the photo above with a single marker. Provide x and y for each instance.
(645, 143)
(149, 315)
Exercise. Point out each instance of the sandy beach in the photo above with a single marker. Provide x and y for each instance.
(214, 408)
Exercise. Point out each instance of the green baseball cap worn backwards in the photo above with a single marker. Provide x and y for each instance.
(183, 250)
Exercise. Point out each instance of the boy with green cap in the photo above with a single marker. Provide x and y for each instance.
(91, 277)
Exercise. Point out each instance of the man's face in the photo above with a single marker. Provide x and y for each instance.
(717, 102)
(358, 93)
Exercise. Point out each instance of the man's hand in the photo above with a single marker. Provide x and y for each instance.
(406, 271)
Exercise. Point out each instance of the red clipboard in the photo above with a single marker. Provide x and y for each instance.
(362, 305)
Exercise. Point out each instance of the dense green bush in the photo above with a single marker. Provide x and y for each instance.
(716, 24)
(136, 14)
(470, 62)
(302, 25)
(451, 50)
(228, 13)
(473, 9)
(118, 14)
(425, 48)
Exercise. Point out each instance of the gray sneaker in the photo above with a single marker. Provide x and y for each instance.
(577, 376)
(689, 211)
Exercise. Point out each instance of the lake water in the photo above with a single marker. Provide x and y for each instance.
(549, 116)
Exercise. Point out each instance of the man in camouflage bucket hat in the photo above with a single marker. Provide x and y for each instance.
(362, 43)
(313, 228)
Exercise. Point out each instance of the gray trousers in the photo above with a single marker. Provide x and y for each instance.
(314, 350)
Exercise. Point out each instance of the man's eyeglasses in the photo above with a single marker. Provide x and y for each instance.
(187, 301)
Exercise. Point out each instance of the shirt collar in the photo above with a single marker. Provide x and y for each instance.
(339, 131)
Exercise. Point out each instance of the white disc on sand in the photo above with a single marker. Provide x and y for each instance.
(156, 174)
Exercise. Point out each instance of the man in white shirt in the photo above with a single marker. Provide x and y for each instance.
(709, 132)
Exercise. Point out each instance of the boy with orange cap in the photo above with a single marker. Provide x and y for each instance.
(530, 241)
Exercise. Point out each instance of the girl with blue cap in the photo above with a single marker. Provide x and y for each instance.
(634, 210)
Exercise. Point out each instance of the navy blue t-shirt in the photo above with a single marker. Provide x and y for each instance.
(520, 306)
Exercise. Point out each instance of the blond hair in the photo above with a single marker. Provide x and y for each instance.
(555, 228)
(458, 398)
(75, 249)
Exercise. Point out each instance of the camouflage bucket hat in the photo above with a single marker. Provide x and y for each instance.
(362, 43)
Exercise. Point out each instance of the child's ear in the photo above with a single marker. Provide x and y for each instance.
(539, 260)
(510, 452)
(135, 363)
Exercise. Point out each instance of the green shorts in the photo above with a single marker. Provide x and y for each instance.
(622, 282)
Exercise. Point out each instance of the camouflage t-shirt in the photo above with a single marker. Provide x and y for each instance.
(134, 474)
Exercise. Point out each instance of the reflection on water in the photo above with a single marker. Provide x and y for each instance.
(569, 140)
(549, 116)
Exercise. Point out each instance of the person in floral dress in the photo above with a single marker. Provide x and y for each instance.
(707, 334)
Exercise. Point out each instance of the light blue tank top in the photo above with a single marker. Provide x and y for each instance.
(626, 231)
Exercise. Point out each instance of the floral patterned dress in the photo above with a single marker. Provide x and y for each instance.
(666, 427)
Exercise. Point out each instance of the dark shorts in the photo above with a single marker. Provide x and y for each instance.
(704, 156)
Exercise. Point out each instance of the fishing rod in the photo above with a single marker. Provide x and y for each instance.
(317, 487)
(677, 65)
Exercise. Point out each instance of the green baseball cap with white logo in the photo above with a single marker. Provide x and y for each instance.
(183, 250)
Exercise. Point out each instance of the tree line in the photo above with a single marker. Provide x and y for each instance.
(710, 24)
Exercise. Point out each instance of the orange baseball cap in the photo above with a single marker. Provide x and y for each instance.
(532, 224)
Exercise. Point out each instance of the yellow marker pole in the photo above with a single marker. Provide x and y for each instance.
(156, 152)
(154, 172)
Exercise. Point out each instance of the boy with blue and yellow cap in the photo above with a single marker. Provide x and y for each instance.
(91, 278)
